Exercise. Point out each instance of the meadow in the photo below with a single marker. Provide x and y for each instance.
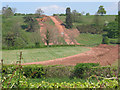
(41, 54)
(90, 19)
(89, 39)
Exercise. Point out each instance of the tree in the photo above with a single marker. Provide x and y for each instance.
(101, 11)
(32, 23)
(39, 12)
(75, 15)
(82, 12)
(87, 14)
(68, 18)
(8, 11)
(112, 30)
(74, 12)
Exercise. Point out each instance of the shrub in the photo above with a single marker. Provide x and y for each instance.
(81, 69)
(113, 41)
(105, 40)
(37, 44)
(24, 26)
(33, 71)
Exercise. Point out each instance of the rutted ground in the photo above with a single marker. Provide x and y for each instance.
(68, 39)
(103, 54)
(61, 31)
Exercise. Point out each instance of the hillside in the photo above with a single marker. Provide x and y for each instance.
(13, 26)
(90, 19)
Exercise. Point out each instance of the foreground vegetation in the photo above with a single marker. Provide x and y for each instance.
(38, 76)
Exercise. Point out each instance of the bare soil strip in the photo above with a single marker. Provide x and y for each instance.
(62, 30)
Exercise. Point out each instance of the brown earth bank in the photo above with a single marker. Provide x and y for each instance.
(61, 31)
(103, 54)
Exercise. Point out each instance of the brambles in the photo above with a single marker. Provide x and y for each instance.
(38, 71)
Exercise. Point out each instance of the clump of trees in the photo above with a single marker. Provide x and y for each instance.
(32, 24)
(59, 14)
(101, 10)
(8, 11)
(68, 18)
(87, 14)
(93, 29)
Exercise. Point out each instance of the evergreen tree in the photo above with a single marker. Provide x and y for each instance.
(68, 18)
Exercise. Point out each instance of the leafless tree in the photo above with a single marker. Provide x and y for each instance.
(8, 11)
(39, 12)
(14, 10)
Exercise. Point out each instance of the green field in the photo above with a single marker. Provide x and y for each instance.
(90, 19)
(89, 39)
(41, 54)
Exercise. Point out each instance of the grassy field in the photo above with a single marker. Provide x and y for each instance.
(40, 54)
(89, 39)
(90, 19)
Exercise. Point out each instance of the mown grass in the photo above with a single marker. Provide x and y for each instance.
(89, 39)
(40, 54)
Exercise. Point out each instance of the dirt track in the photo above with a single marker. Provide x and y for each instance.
(62, 29)
(103, 54)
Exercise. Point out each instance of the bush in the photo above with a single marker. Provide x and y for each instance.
(37, 44)
(33, 71)
(81, 69)
(113, 41)
(24, 26)
(105, 40)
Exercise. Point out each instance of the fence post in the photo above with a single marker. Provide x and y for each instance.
(1, 72)
(19, 68)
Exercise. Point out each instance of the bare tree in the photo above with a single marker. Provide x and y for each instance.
(39, 12)
(8, 11)
(14, 10)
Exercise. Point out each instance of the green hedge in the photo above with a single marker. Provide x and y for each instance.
(37, 46)
(81, 69)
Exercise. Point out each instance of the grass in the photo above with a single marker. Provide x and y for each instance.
(89, 39)
(59, 80)
(13, 24)
(115, 63)
(90, 19)
(40, 54)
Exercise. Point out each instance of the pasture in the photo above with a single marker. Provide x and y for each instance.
(90, 19)
(40, 54)
(89, 39)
